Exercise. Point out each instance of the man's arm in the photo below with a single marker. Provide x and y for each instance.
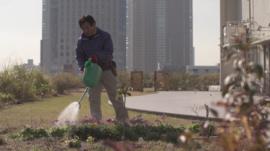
(108, 48)
(80, 56)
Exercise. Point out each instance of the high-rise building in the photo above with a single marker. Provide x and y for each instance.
(60, 30)
(251, 19)
(230, 11)
(160, 35)
(257, 11)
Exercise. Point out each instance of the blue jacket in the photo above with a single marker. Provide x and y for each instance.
(99, 45)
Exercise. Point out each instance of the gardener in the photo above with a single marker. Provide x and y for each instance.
(97, 45)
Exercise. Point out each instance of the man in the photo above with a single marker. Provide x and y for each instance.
(97, 45)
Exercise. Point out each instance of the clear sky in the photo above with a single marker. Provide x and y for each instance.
(206, 24)
(20, 31)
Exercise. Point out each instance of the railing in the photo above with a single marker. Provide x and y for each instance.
(260, 34)
(238, 32)
(234, 32)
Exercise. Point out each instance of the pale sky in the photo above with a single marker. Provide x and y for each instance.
(206, 24)
(20, 31)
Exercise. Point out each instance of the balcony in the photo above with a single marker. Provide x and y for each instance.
(234, 33)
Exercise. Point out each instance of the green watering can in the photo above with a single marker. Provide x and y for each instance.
(92, 74)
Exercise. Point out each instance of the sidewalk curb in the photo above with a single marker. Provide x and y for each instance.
(184, 116)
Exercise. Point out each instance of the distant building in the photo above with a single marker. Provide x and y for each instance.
(60, 30)
(201, 70)
(160, 35)
(230, 11)
(30, 65)
(251, 19)
(260, 33)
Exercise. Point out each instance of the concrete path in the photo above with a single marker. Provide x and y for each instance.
(178, 103)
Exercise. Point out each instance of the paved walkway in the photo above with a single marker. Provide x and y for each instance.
(178, 103)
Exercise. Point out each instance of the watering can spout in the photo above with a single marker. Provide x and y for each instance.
(81, 99)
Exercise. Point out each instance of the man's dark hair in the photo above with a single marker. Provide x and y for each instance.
(89, 19)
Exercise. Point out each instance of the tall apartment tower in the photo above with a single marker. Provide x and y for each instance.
(257, 13)
(230, 11)
(160, 35)
(60, 30)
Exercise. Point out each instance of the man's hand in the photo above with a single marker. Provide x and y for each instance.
(93, 58)
(82, 71)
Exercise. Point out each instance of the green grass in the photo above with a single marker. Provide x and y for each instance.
(43, 113)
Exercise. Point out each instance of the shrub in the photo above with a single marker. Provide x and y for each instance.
(246, 119)
(66, 81)
(206, 80)
(41, 84)
(18, 82)
(195, 128)
(242, 108)
(189, 82)
(90, 140)
(173, 82)
(148, 80)
(98, 132)
(2, 141)
(73, 143)
(6, 98)
(90, 133)
(30, 134)
(176, 81)
(58, 132)
(117, 132)
(124, 78)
